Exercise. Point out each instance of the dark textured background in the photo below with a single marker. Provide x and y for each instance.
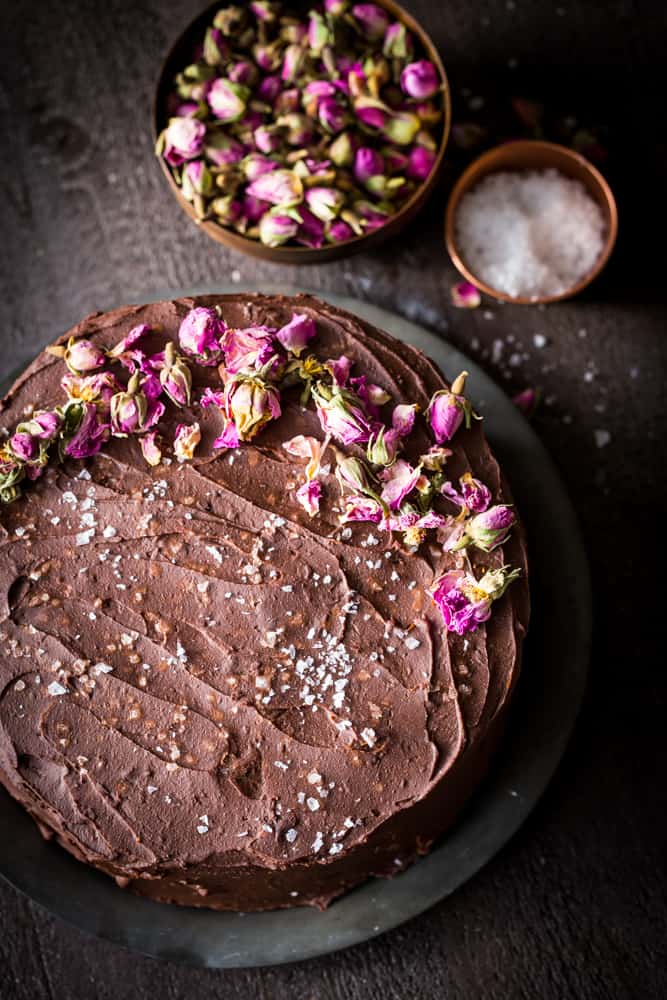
(575, 906)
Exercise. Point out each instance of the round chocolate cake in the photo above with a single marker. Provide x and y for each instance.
(263, 599)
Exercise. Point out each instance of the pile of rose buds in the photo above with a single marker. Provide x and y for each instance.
(304, 131)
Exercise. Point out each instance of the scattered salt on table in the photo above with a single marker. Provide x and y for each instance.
(529, 233)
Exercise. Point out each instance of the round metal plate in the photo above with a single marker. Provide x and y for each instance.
(547, 702)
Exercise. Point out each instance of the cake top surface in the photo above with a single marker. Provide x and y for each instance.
(196, 661)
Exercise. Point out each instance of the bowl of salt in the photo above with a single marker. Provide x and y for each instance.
(531, 221)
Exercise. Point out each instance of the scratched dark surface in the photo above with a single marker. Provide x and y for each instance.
(576, 905)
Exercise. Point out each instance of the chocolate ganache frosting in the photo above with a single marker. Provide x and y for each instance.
(216, 698)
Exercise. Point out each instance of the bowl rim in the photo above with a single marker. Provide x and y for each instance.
(462, 185)
(303, 254)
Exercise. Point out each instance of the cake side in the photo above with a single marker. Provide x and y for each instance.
(197, 752)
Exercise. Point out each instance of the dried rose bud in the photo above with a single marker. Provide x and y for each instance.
(448, 409)
(340, 414)
(385, 187)
(268, 56)
(420, 79)
(401, 127)
(367, 163)
(420, 163)
(82, 356)
(280, 187)
(296, 334)
(222, 150)
(318, 33)
(336, 7)
(465, 295)
(288, 100)
(43, 425)
(199, 335)
(428, 112)
(487, 530)
(267, 138)
(371, 112)
(325, 202)
(370, 216)
(24, 446)
(251, 208)
(196, 180)
(216, 49)
(230, 20)
(398, 43)
(338, 231)
(254, 165)
(182, 140)
(186, 439)
(227, 209)
(352, 475)
(227, 100)
(84, 432)
(250, 402)
(298, 129)
(395, 161)
(242, 71)
(311, 230)
(331, 115)
(269, 88)
(175, 376)
(371, 20)
(276, 228)
(341, 150)
(293, 60)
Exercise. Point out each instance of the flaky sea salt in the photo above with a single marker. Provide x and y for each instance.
(530, 233)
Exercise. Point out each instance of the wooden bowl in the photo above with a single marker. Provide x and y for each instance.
(533, 155)
(180, 55)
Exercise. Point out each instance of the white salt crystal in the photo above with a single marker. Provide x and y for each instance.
(531, 233)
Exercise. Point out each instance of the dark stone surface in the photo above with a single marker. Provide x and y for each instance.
(575, 906)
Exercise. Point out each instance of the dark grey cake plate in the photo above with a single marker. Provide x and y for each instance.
(548, 699)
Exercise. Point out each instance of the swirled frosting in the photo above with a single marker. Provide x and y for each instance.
(213, 697)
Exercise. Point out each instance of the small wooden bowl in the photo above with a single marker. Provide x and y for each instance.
(533, 155)
(180, 55)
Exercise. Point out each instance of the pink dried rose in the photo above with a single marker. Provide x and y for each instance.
(420, 162)
(486, 531)
(309, 495)
(472, 496)
(247, 348)
(85, 431)
(371, 20)
(186, 439)
(399, 481)
(182, 140)
(361, 508)
(352, 475)
(306, 446)
(403, 418)
(340, 369)
(367, 163)
(420, 79)
(97, 388)
(249, 403)
(398, 43)
(279, 187)
(43, 425)
(276, 228)
(297, 334)
(465, 295)
(227, 99)
(325, 202)
(131, 410)
(311, 231)
(82, 356)
(175, 377)
(199, 335)
(130, 339)
(448, 409)
(150, 448)
(466, 602)
(341, 414)
(24, 446)
(338, 231)
(527, 401)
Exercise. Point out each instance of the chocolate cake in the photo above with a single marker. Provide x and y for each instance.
(230, 678)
